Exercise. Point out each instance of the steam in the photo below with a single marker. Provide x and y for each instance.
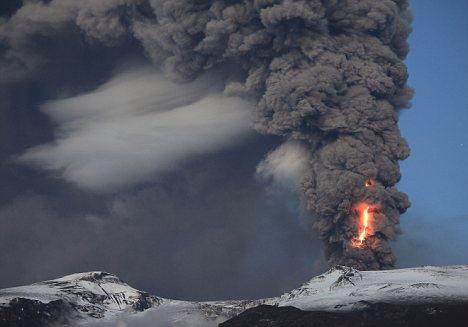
(327, 74)
(165, 315)
(285, 166)
(135, 126)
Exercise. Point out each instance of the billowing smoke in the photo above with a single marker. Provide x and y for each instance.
(328, 74)
(285, 166)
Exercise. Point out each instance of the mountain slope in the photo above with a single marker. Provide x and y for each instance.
(377, 314)
(101, 297)
(343, 288)
(79, 296)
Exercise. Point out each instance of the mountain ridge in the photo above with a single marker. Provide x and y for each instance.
(86, 298)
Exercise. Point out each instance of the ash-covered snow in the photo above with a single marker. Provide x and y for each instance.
(92, 294)
(344, 288)
(101, 295)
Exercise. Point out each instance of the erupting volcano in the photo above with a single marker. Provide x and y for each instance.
(327, 75)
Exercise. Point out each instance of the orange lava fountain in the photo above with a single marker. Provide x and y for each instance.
(366, 218)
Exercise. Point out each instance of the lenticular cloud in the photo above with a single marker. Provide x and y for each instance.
(135, 126)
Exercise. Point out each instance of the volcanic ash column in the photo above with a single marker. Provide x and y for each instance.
(328, 74)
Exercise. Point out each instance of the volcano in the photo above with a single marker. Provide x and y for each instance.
(401, 297)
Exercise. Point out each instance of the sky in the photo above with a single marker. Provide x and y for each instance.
(203, 228)
(175, 194)
(436, 174)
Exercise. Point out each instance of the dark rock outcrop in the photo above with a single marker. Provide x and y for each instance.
(32, 313)
(381, 315)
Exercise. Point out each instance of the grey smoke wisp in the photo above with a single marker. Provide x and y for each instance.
(135, 126)
(328, 74)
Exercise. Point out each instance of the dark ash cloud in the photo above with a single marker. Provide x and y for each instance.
(327, 75)
(200, 232)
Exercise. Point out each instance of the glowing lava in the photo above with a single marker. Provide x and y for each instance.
(365, 224)
(366, 217)
(369, 183)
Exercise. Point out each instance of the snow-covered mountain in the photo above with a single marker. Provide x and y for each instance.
(92, 295)
(101, 298)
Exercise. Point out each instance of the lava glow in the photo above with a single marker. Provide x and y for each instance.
(366, 218)
(369, 183)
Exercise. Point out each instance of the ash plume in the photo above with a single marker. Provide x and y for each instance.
(328, 74)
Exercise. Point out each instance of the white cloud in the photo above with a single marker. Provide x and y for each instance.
(137, 125)
(174, 315)
(285, 165)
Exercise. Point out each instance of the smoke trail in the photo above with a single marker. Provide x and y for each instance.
(326, 73)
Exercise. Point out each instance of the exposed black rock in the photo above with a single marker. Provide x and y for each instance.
(381, 315)
(32, 313)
